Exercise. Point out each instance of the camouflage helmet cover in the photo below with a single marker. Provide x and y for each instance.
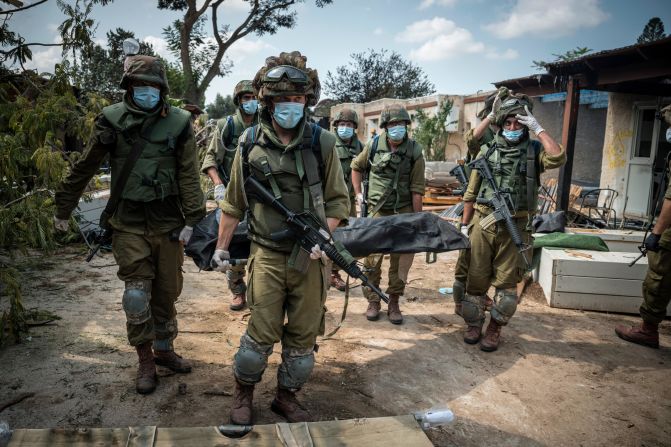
(503, 93)
(285, 87)
(147, 69)
(346, 114)
(241, 88)
(513, 105)
(394, 112)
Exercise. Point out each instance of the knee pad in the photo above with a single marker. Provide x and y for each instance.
(473, 309)
(135, 301)
(505, 306)
(251, 360)
(458, 291)
(296, 367)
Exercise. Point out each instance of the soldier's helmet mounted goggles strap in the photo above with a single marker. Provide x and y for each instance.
(513, 102)
(293, 74)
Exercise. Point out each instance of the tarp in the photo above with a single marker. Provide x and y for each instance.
(401, 233)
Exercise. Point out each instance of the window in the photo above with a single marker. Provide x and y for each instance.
(644, 133)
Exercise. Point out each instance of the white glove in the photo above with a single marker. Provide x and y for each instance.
(61, 224)
(464, 230)
(219, 262)
(529, 121)
(359, 199)
(317, 253)
(185, 234)
(219, 191)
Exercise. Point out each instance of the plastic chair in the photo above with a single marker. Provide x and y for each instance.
(591, 200)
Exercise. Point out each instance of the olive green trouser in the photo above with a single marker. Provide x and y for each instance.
(352, 213)
(236, 281)
(657, 286)
(159, 260)
(373, 265)
(276, 290)
(494, 259)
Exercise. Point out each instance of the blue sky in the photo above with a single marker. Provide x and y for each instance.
(462, 45)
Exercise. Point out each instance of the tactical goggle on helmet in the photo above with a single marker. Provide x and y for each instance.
(513, 106)
(292, 74)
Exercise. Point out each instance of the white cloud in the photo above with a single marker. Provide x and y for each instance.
(548, 18)
(160, 46)
(442, 39)
(378, 31)
(426, 29)
(44, 60)
(428, 3)
(236, 5)
(509, 54)
(246, 47)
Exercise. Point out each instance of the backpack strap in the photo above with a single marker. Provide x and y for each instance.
(229, 131)
(310, 159)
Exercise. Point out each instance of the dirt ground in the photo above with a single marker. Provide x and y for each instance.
(560, 377)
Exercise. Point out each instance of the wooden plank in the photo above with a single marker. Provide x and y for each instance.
(569, 128)
(598, 286)
(601, 303)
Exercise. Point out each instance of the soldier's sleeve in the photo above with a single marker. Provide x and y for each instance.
(667, 194)
(188, 180)
(73, 186)
(474, 182)
(547, 161)
(209, 161)
(336, 195)
(472, 144)
(359, 162)
(417, 179)
(234, 203)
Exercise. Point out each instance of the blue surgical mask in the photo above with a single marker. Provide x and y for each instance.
(345, 132)
(288, 114)
(146, 96)
(396, 133)
(250, 107)
(668, 135)
(513, 136)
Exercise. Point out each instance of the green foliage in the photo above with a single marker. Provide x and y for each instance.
(565, 57)
(376, 75)
(221, 107)
(430, 131)
(653, 30)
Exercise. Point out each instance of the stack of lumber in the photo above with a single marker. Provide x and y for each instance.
(440, 184)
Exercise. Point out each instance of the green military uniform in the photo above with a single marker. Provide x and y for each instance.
(393, 177)
(346, 152)
(494, 259)
(161, 195)
(220, 156)
(276, 289)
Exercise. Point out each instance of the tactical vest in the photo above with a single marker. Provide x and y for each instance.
(391, 172)
(346, 153)
(154, 175)
(509, 168)
(283, 173)
(230, 134)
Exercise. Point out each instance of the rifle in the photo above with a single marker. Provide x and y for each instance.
(104, 238)
(305, 229)
(364, 193)
(502, 204)
(460, 173)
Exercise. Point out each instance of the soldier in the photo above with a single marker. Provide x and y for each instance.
(657, 283)
(217, 165)
(494, 258)
(347, 147)
(475, 138)
(297, 162)
(395, 165)
(161, 196)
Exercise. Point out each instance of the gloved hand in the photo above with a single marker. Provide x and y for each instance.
(219, 262)
(464, 230)
(185, 234)
(496, 105)
(529, 121)
(359, 199)
(61, 224)
(317, 253)
(219, 191)
(652, 242)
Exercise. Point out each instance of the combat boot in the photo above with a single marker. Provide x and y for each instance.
(241, 409)
(172, 361)
(490, 342)
(145, 382)
(337, 281)
(393, 310)
(373, 311)
(646, 334)
(285, 404)
(238, 302)
(473, 334)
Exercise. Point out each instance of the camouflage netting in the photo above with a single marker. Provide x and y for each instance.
(285, 87)
(394, 112)
(147, 69)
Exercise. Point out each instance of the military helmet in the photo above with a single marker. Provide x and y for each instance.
(394, 112)
(145, 68)
(503, 93)
(287, 75)
(346, 114)
(241, 88)
(513, 105)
